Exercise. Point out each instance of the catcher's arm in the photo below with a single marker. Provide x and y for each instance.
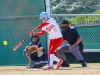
(32, 49)
(40, 49)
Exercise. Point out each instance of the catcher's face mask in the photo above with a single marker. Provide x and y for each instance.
(34, 39)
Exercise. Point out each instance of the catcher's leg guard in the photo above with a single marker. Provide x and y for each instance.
(27, 56)
(40, 64)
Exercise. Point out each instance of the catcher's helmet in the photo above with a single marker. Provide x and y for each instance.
(34, 36)
(44, 15)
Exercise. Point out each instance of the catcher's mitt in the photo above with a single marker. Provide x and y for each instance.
(33, 49)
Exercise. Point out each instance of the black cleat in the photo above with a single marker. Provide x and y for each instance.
(65, 64)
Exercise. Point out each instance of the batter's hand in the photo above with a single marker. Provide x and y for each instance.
(33, 32)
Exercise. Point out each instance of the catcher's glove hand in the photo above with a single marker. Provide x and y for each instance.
(32, 49)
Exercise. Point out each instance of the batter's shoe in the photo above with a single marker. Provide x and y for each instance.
(59, 64)
(49, 68)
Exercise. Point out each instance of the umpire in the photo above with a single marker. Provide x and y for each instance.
(70, 35)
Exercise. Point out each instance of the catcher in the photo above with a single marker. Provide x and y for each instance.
(35, 54)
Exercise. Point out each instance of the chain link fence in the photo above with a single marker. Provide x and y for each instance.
(17, 19)
(83, 14)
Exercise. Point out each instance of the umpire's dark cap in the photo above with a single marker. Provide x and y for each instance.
(65, 22)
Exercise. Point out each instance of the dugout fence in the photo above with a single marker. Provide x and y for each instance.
(17, 19)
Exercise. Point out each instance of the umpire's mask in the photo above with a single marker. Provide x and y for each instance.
(65, 24)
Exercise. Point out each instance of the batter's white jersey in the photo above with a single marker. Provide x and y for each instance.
(53, 29)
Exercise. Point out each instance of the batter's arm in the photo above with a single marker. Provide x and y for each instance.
(40, 33)
(42, 25)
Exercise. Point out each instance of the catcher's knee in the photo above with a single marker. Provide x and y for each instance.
(25, 50)
(26, 53)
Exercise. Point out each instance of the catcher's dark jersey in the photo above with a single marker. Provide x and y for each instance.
(34, 56)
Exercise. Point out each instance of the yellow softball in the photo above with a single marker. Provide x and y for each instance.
(5, 42)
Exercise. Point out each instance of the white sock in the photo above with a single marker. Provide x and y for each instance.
(51, 59)
(56, 58)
